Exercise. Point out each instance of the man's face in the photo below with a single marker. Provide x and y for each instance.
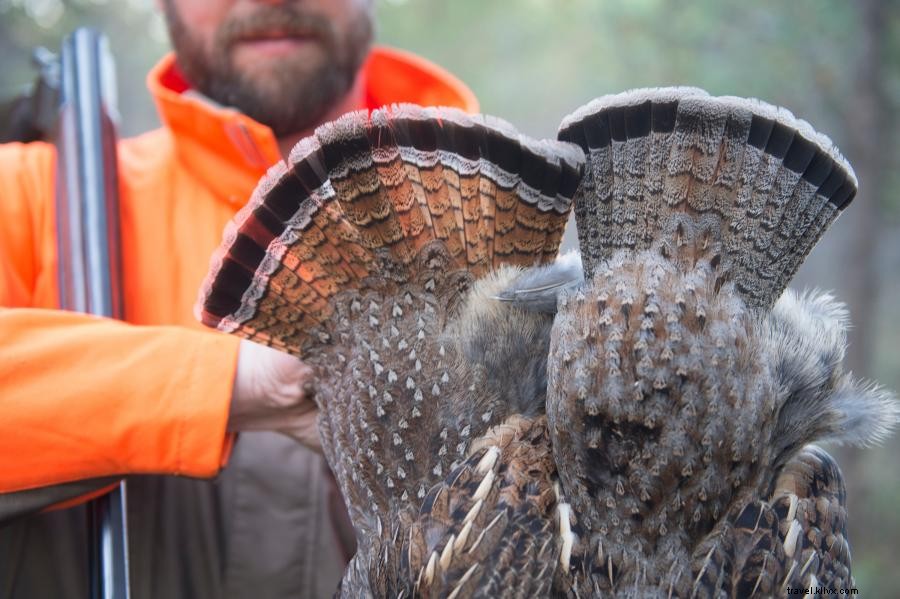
(282, 63)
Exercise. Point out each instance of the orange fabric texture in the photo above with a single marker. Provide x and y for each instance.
(84, 397)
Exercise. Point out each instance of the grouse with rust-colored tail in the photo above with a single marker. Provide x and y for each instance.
(375, 257)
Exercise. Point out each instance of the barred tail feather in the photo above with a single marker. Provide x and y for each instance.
(360, 199)
(738, 182)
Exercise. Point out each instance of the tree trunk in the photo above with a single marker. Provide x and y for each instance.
(867, 143)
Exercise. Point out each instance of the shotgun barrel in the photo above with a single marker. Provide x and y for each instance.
(89, 254)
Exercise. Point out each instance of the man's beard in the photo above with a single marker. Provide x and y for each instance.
(297, 94)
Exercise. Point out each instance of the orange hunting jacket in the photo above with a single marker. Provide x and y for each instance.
(84, 397)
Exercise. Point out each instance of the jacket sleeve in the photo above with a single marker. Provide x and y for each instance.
(86, 397)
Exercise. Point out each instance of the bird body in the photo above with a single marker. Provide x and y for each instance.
(503, 426)
(675, 397)
(372, 257)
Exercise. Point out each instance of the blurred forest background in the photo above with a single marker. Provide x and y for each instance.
(832, 62)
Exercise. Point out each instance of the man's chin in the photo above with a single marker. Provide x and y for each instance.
(273, 99)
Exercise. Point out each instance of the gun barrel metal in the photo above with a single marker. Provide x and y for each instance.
(89, 252)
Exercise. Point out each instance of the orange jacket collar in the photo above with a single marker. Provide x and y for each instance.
(229, 151)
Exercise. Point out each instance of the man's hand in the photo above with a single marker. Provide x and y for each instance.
(273, 391)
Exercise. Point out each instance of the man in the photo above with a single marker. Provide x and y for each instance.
(86, 398)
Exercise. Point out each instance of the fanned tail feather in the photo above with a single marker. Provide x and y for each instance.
(363, 196)
(738, 182)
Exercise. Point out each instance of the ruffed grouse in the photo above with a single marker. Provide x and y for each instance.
(504, 429)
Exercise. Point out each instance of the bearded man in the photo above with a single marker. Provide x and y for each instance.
(85, 398)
